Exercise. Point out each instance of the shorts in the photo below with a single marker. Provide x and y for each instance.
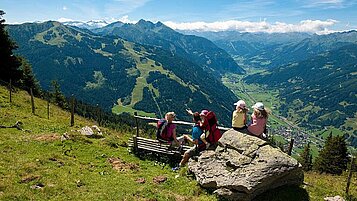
(204, 136)
(242, 129)
(193, 151)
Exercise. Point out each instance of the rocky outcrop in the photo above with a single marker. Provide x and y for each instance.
(94, 130)
(244, 166)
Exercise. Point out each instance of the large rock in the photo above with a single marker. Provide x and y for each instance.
(245, 166)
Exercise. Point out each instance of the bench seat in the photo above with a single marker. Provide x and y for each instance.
(150, 145)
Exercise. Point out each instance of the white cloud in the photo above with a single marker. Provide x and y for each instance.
(311, 26)
(64, 8)
(62, 19)
(125, 19)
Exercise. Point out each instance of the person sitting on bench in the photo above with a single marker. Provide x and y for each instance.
(166, 129)
(195, 140)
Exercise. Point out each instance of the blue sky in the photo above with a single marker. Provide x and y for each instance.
(319, 16)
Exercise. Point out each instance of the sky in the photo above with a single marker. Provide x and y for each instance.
(314, 16)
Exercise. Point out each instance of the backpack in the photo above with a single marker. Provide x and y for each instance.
(212, 128)
(161, 132)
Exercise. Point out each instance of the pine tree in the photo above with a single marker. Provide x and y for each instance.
(9, 63)
(28, 79)
(333, 157)
(57, 95)
(306, 158)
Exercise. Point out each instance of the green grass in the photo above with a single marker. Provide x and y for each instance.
(352, 122)
(324, 185)
(314, 151)
(325, 133)
(76, 169)
(79, 168)
(280, 139)
(142, 70)
(121, 109)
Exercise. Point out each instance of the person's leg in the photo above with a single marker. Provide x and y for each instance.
(203, 138)
(184, 160)
(186, 156)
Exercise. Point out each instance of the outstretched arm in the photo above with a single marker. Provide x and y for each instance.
(190, 139)
(189, 111)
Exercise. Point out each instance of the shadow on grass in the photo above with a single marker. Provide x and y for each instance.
(172, 161)
(351, 198)
(291, 193)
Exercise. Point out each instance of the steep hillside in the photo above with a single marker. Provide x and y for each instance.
(110, 70)
(321, 90)
(36, 164)
(197, 49)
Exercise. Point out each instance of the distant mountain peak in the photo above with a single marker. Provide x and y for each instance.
(145, 24)
(160, 24)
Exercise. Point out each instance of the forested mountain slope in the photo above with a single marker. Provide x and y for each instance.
(321, 89)
(270, 50)
(199, 50)
(110, 70)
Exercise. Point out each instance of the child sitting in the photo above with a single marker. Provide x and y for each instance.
(259, 120)
(239, 119)
(203, 124)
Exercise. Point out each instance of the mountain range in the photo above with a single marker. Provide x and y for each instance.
(269, 50)
(197, 49)
(318, 92)
(90, 25)
(316, 75)
(109, 70)
(151, 68)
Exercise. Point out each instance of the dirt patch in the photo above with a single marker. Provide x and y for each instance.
(60, 163)
(48, 137)
(140, 180)
(180, 197)
(28, 178)
(159, 179)
(120, 165)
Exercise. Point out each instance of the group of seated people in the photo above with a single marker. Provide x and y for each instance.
(205, 132)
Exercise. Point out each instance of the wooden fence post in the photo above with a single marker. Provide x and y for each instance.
(32, 102)
(350, 174)
(48, 109)
(135, 137)
(291, 146)
(98, 119)
(84, 111)
(72, 110)
(10, 89)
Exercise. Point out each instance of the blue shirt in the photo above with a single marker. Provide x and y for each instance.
(196, 134)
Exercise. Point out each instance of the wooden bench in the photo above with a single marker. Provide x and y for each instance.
(140, 144)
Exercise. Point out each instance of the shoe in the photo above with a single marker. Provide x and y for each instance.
(207, 145)
(176, 168)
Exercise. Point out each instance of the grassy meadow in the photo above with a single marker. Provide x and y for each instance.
(36, 164)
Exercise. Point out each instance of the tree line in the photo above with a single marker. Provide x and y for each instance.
(333, 158)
